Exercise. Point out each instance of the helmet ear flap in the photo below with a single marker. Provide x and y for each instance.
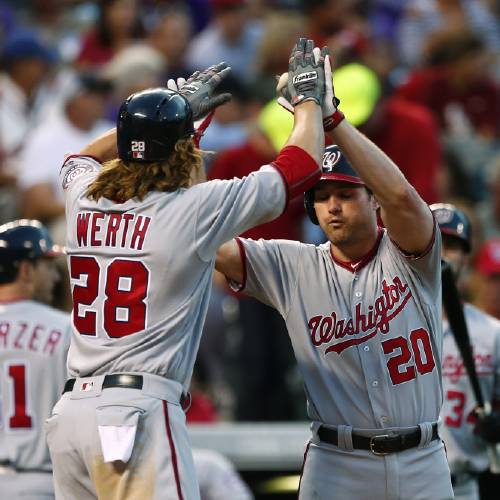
(309, 206)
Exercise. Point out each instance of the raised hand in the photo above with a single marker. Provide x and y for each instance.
(306, 74)
(199, 89)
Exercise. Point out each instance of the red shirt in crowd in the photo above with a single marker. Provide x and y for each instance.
(93, 52)
(434, 89)
(241, 161)
(408, 134)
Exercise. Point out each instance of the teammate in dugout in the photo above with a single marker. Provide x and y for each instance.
(465, 434)
(141, 244)
(34, 341)
(363, 314)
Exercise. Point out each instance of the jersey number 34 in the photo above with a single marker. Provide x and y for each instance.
(125, 289)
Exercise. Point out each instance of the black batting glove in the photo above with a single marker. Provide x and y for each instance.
(306, 77)
(488, 427)
(199, 89)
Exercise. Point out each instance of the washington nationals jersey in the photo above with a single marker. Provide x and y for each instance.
(367, 336)
(466, 451)
(34, 341)
(141, 271)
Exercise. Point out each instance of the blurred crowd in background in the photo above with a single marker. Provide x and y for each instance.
(418, 77)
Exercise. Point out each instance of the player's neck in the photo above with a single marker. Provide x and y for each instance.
(13, 292)
(356, 250)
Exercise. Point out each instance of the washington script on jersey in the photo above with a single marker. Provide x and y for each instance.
(454, 368)
(126, 230)
(387, 305)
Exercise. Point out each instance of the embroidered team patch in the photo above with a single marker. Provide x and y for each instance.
(75, 168)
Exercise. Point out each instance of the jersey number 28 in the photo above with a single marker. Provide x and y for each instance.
(125, 290)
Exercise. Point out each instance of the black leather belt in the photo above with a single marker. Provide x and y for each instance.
(128, 381)
(381, 444)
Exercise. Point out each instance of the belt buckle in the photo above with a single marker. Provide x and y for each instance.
(373, 444)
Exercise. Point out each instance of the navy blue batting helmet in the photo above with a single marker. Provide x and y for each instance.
(453, 222)
(150, 123)
(335, 167)
(23, 240)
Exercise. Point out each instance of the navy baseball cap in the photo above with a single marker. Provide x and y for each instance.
(336, 167)
(27, 45)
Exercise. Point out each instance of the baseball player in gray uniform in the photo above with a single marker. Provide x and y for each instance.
(466, 450)
(34, 340)
(141, 247)
(364, 317)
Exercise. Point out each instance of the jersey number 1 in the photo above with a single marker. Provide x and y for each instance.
(126, 288)
(19, 418)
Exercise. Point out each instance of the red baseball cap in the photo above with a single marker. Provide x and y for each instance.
(488, 259)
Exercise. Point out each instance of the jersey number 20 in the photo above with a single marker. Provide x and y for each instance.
(126, 288)
(417, 344)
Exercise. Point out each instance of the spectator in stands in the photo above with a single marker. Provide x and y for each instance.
(231, 37)
(170, 35)
(457, 72)
(26, 61)
(422, 18)
(337, 24)
(133, 69)
(489, 210)
(488, 268)
(405, 131)
(280, 30)
(228, 128)
(80, 120)
(118, 26)
(266, 362)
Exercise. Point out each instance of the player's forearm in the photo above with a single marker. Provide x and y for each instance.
(103, 148)
(307, 132)
(376, 169)
(228, 261)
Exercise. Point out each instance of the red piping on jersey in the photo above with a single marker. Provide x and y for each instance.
(302, 468)
(243, 257)
(359, 264)
(427, 248)
(80, 156)
(172, 451)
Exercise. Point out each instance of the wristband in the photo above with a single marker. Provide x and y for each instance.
(330, 122)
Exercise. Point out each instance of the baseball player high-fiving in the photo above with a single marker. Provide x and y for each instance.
(141, 247)
(465, 433)
(364, 317)
(34, 341)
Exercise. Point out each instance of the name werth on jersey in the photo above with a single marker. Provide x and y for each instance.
(96, 229)
(377, 317)
(453, 366)
(29, 337)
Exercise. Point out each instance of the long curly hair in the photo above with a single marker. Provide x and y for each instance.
(120, 180)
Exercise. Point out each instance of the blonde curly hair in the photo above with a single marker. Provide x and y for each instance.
(121, 181)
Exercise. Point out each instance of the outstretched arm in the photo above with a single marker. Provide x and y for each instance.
(103, 148)
(406, 216)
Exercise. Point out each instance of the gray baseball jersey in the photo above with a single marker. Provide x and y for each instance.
(141, 271)
(467, 452)
(34, 341)
(367, 336)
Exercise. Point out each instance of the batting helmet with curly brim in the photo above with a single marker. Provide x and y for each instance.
(335, 167)
(453, 222)
(23, 240)
(150, 123)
